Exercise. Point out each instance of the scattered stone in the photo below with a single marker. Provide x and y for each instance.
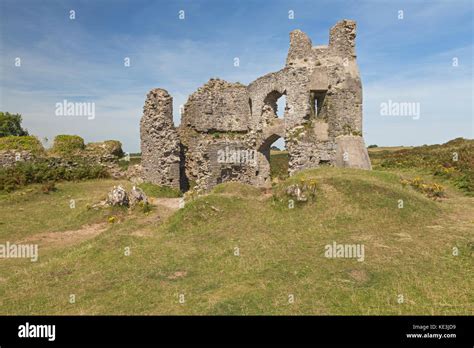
(215, 209)
(137, 195)
(302, 191)
(118, 197)
(296, 192)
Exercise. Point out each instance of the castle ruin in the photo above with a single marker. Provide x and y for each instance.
(227, 128)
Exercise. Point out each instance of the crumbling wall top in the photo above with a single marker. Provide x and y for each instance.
(342, 38)
(218, 105)
(299, 53)
(159, 105)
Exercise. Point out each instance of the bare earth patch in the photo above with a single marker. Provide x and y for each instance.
(66, 238)
(170, 203)
(178, 274)
(165, 208)
(359, 276)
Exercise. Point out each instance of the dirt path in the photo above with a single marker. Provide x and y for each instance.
(66, 238)
(170, 203)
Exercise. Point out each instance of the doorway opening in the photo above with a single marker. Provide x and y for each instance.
(274, 160)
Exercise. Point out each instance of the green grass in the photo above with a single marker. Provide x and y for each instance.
(124, 164)
(237, 189)
(452, 162)
(158, 191)
(28, 211)
(279, 164)
(281, 252)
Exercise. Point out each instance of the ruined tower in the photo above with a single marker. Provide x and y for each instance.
(227, 128)
(160, 144)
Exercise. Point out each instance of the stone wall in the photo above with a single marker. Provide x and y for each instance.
(321, 125)
(160, 145)
(62, 154)
(9, 158)
(218, 106)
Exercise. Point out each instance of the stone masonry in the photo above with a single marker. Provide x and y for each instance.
(227, 128)
(160, 144)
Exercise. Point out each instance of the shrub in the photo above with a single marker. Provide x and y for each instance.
(432, 190)
(46, 171)
(453, 161)
(22, 143)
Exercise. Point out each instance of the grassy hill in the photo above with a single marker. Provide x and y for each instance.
(451, 162)
(239, 250)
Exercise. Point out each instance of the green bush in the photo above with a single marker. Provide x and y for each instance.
(27, 143)
(432, 190)
(67, 145)
(45, 171)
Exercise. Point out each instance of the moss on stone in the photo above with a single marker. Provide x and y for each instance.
(22, 143)
(67, 145)
(108, 147)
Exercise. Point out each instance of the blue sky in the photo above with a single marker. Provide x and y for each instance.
(404, 60)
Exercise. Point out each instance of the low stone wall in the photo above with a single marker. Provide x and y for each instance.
(9, 158)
